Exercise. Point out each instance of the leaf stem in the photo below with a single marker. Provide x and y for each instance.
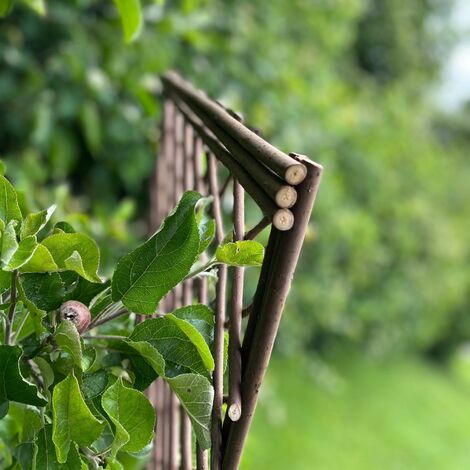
(210, 264)
(113, 307)
(102, 321)
(20, 327)
(11, 312)
(109, 337)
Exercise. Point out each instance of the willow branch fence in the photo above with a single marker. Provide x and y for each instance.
(200, 141)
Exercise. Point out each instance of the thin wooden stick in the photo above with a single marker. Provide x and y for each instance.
(201, 454)
(218, 375)
(186, 449)
(269, 303)
(257, 229)
(284, 195)
(225, 185)
(264, 201)
(158, 444)
(235, 401)
(292, 172)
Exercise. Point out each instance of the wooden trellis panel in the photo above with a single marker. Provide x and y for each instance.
(199, 135)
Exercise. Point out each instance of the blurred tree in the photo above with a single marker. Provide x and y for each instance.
(348, 82)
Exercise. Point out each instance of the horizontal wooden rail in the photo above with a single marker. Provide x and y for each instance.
(292, 172)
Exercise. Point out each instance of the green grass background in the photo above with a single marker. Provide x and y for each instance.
(355, 413)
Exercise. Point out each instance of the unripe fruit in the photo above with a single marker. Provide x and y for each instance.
(77, 313)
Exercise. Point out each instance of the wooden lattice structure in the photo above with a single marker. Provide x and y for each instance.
(199, 138)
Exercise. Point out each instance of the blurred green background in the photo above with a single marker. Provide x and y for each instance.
(372, 365)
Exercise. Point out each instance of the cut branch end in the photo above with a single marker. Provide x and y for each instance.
(296, 173)
(286, 197)
(234, 411)
(283, 219)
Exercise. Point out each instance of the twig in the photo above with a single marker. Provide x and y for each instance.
(213, 262)
(110, 309)
(108, 337)
(36, 375)
(104, 320)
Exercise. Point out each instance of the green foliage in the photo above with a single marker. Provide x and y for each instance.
(144, 276)
(74, 252)
(46, 454)
(131, 17)
(73, 420)
(9, 208)
(46, 291)
(195, 394)
(347, 83)
(5, 6)
(33, 223)
(201, 317)
(68, 340)
(241, 253)
(133, 416)
(13, 387)
(49, 373)
(179, 343)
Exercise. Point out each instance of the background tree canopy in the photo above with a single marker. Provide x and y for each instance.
(348, 82)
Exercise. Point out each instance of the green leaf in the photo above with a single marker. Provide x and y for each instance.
(5, 454)
(38, 6)
(64, 226)
(150, 354)
(9, 208)
(33, 223)
(46, 458)
(88, 359)
(75, 252)
(206, 233)
(23, 253)
(145, 275)
(68, 339)
(37, 315)
(25, 454)
(196, 338)
(9, 243)
(112, 464)
(241, 253)
(47, 375)
(45, 290)
(5, 281)
(5, 7)
(27, 420)
(85, 291)
(131, 17)
(4, 406)
(13, 386)
(196, 396)
(201, 317)
(94, 384)
(206, 224)
(180, 354)
(133, 416)
(40, 262)
(72, 420)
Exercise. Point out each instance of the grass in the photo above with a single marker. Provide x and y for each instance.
(400, 415)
